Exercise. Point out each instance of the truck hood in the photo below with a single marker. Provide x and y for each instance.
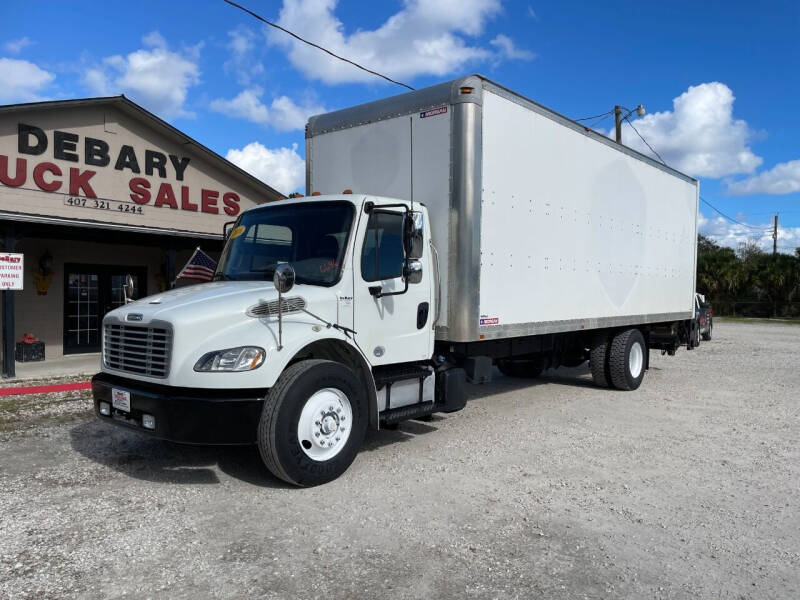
(211, 301)
(214, 316)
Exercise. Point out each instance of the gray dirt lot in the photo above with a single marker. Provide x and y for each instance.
(687, 488)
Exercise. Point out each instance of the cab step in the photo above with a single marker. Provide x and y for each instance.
(404, 413)
(390, 374)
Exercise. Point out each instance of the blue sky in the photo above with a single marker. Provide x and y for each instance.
(719, 79)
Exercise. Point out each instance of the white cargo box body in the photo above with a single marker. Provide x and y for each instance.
(542, 225)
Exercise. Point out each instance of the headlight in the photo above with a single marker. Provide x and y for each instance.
(243, 358)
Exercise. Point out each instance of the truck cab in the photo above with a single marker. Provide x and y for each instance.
(704, 315)
(318, 324)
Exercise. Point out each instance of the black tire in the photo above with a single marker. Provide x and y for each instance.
(694, 335)
(528, 368)
(619, 361)
(278, 443)
(707, 334)
(598, 360)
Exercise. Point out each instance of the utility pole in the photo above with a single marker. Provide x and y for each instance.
(9, 358)
(775, 237)
(619, 118)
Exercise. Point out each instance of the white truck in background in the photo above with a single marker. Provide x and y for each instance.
(480, 229)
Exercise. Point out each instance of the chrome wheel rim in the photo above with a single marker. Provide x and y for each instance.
(325, 423)
(636, 360)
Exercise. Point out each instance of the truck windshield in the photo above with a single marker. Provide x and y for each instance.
(311, 237)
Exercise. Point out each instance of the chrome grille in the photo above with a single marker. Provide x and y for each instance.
(270, 309)
(137, 349)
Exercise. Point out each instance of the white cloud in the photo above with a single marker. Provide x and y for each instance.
(157, 78)
(22, 81)
(783, 178)
(699, 136)
(424, 38)
(281, 168)
(241, 44)
(283, 114)
(506, 49)
(154, 39)
(17, 46)
(733, 235)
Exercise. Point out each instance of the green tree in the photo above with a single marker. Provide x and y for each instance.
(752, 281)
(719, 272)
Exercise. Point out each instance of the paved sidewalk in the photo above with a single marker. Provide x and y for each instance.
(75, 364)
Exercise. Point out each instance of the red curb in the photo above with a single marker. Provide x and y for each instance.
(45, 389)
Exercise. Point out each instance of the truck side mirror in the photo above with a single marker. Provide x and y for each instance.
(127, 288)
(413, 271)
(283, 278)
(413, 234)
(284, 281)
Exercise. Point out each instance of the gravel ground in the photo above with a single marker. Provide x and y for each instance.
(687, 488)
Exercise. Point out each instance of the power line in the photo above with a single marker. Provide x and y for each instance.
(594, 117)
(598, 121)
(645, 141)
(731, 219)
(317, 46)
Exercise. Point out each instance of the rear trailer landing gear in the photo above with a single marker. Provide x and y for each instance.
(627, 359)
(313, 423)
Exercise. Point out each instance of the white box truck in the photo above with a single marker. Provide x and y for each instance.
(445, 231)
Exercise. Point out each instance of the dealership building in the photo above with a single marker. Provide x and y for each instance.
(97, 189)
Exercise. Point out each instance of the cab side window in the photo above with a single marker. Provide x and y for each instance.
(382, 256)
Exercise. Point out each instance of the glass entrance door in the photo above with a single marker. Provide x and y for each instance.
(90, 291)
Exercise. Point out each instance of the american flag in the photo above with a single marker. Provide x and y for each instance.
(200, 267)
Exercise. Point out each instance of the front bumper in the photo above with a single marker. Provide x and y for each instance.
(187, 415)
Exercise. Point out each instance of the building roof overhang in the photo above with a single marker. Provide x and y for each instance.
(141, 114)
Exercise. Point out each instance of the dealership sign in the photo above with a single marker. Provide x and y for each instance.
(144, 169)
(11, 271)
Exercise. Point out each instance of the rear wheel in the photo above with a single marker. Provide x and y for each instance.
(707, 334)
(626, 359)
(598, 360)
(313, 422)
(528, 368)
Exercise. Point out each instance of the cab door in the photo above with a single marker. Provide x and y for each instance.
(393, 321)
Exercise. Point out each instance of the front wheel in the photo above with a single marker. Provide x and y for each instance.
(707, 334)
(313, 422)
(626, 360)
